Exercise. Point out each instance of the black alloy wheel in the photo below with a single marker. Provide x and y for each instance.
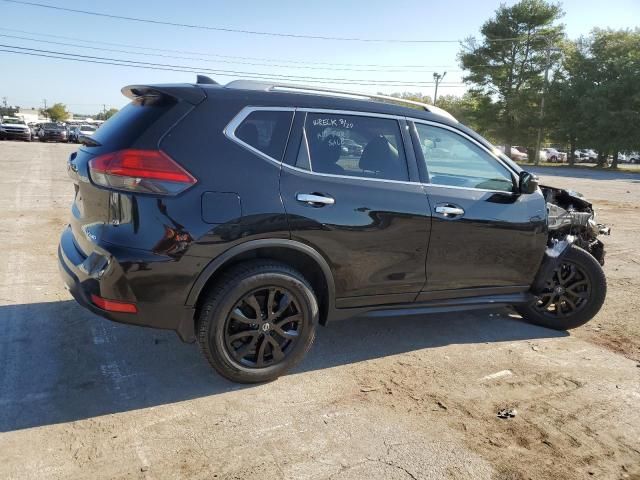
(573, 294)
(566, 293)
(257, 321)
(263, 327)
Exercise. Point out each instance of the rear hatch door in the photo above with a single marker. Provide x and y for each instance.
(141, 125)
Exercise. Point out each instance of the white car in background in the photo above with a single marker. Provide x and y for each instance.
(517, 155)
(74, 134)
(552, 155)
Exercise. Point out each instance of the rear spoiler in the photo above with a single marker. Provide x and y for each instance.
(189, 93)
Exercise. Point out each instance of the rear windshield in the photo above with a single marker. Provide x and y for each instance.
(121, 130)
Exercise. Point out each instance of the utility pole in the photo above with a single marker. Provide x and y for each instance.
(544, 92)
(4, 102)
(437, 77)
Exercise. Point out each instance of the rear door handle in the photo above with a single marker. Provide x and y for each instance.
(315, 199)
(449, 211)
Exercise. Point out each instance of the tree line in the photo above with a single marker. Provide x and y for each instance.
(591, 92)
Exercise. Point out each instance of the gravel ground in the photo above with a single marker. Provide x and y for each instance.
(405, 398)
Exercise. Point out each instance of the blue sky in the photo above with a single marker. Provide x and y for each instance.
(26, 81)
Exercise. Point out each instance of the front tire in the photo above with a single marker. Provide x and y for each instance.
(257, 321)
(572, 297)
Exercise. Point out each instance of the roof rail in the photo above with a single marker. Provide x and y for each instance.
(285, 87)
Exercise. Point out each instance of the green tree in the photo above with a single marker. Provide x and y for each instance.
(57, 113)
(566, 119)
(506, 66)
(594, 98)
(614, 104)
(106, 115)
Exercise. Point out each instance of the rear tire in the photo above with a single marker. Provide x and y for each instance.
(572, 297)
(257, 321)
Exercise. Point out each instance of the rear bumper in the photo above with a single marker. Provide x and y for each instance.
(101, 273)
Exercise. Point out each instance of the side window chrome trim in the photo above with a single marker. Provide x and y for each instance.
(349, 177)
(439, 185)
(230, 130)
(356, 113)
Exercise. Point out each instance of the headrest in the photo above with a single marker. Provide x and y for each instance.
(379, 156)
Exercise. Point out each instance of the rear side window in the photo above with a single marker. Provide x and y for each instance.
(355, 146)
(266, 131)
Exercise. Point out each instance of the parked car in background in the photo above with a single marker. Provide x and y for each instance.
(586, 155)
(247, 238)
(564, 155)
(14, 128)
(77, 130)
(517, 153)
(33, 126)
(53, 132)
(627, 157)
(553, 156)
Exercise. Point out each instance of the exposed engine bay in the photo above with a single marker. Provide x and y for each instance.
(570, 214)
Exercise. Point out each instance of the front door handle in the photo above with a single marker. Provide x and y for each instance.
(449, 211)
(315, 199)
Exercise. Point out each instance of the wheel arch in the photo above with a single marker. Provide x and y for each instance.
(298, 255)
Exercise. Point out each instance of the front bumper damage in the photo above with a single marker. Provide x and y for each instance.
(569, 214)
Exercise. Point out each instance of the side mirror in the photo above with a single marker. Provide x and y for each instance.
(528, 183)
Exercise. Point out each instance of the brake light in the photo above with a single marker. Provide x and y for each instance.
(113, 305)
(144, 171)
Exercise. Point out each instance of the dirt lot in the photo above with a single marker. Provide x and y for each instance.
(406, 398)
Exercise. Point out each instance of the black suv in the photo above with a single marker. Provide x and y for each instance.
(233, 215)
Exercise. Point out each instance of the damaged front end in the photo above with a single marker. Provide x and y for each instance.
(570, 216)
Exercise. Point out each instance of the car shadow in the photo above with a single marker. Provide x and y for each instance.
(60, 363)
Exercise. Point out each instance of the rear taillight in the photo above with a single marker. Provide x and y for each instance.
(143, 171)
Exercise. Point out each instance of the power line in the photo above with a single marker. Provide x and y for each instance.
(207, 54)
(116, 62)
(235, 30)
(221, 72)
(128, 52)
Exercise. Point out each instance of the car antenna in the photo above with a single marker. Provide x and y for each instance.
(203, 79)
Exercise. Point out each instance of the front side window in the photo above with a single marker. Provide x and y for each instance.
(267, 131)
(453, 160)
(352, 145)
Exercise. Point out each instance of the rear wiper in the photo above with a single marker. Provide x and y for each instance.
(88, 141)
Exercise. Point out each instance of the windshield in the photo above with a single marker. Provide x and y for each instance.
(13, 121)
(87, 128)
(51, 125)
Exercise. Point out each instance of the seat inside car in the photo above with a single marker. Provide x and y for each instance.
(380, 157)
(325, 154)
